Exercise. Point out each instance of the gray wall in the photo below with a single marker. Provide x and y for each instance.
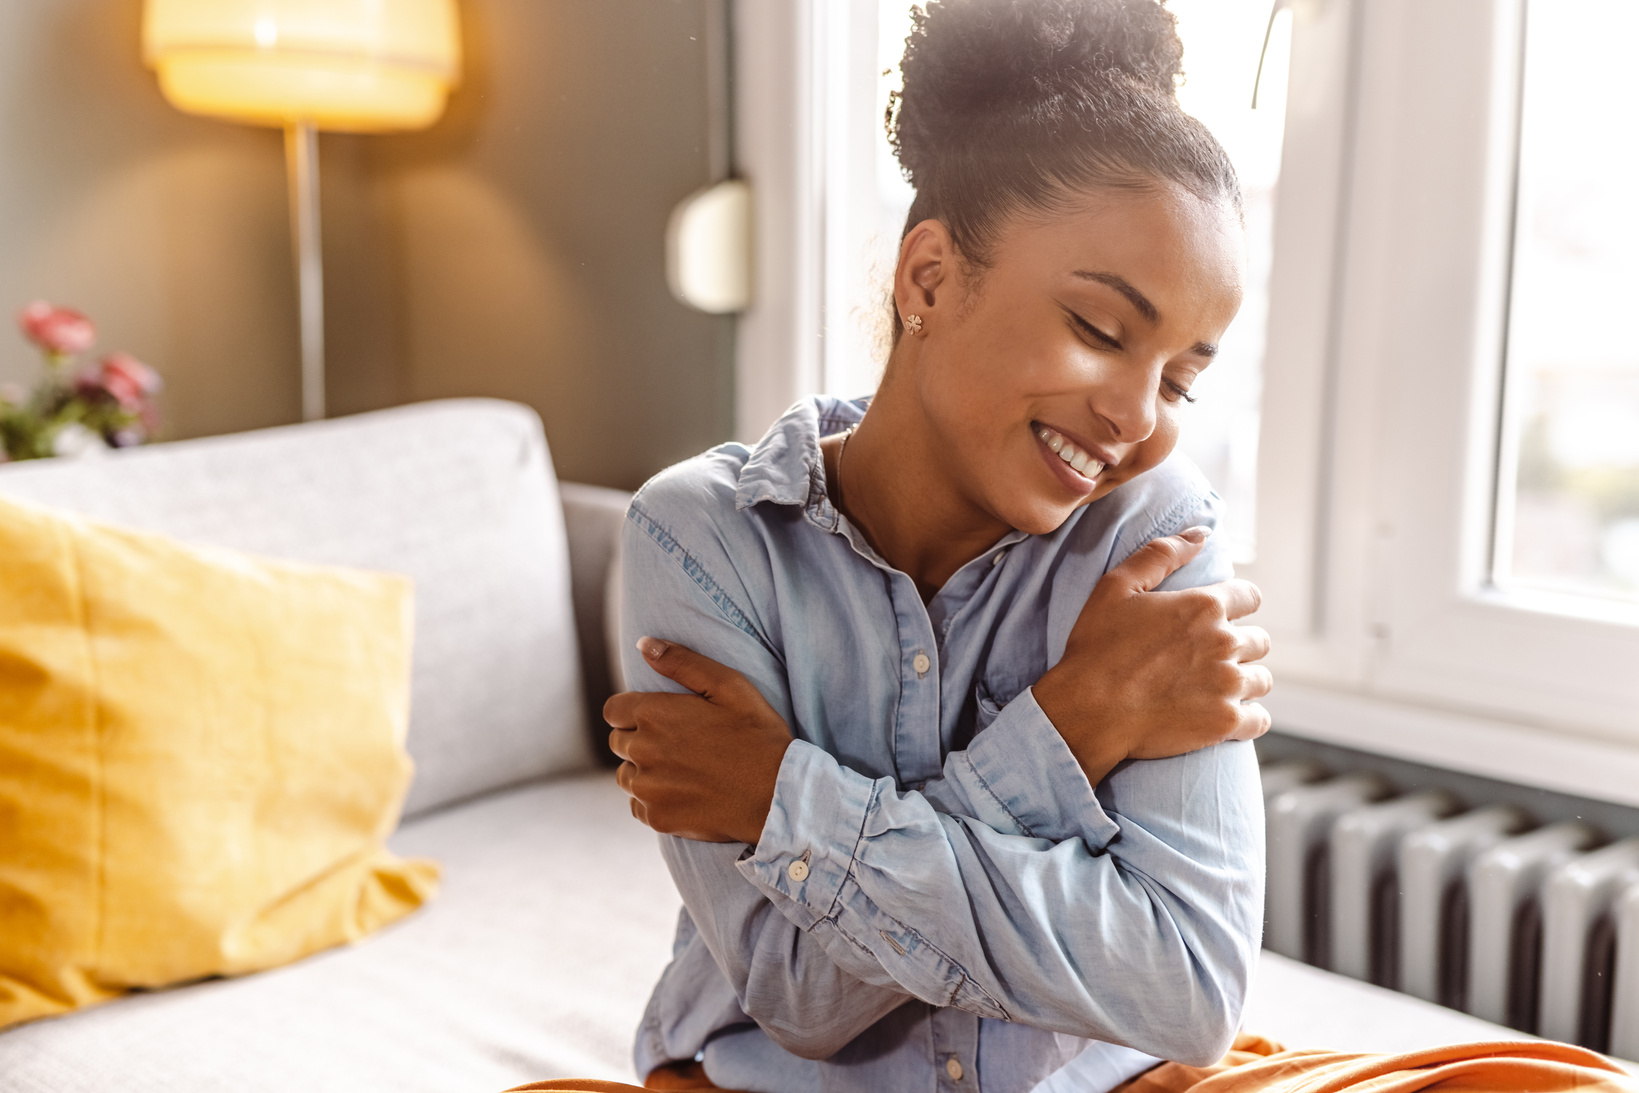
(513, 250)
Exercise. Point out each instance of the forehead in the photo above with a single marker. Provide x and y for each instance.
(1173, 245)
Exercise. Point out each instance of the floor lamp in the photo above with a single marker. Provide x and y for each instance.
(353, 66)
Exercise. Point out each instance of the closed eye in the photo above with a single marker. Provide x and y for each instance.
(1088, 330)
(1178, 390)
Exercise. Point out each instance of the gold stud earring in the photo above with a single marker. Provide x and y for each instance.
(913, 323)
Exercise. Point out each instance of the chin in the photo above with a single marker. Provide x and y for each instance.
(1042, 517)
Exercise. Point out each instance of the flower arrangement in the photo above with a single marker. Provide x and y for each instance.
(75, 409)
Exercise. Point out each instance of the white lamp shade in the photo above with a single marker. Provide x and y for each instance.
(353, 65)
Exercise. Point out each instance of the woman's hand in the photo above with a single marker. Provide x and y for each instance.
(1148, 674)
(701, 765)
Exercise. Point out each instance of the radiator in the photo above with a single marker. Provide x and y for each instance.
(1480, 909)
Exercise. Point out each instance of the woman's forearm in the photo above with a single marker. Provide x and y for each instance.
(1147, 940)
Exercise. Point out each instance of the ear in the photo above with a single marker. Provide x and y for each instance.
(927, 264)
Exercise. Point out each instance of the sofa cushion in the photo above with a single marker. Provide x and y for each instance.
(536, 960)
(458, 495)
(201, 754)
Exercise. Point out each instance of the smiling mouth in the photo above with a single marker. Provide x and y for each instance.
(1079, 461)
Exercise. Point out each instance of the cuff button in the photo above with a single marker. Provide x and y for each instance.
(797, 870)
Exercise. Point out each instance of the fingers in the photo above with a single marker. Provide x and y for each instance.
(1256, 682)
(1239, 598)
(1254, 722)
(1158, 559)
(683, 665)
(647, 709)
(621, 710)
(1254, 645)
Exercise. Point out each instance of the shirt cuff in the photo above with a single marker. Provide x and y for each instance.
(1026, 765)
(812, 834)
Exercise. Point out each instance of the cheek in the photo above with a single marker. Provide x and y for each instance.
(976, 387)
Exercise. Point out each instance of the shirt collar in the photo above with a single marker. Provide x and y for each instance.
(785, 466)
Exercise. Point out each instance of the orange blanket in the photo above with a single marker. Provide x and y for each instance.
(1257, 1065)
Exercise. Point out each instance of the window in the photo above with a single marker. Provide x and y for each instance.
(1223, 41)
(1568, 509)
(1392, 573)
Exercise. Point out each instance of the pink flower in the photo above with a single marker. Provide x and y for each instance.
(57, 330)
(130, 381)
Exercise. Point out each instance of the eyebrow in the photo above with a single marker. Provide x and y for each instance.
(1138, 300)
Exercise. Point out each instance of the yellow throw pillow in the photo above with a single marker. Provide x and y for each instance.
(201, 755)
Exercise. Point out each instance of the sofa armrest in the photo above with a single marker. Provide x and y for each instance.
(593, 516)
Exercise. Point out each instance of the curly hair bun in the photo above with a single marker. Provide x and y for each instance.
(1008, 103)
(971, 61)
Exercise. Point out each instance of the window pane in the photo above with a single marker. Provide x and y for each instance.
(1569, 510)
(1221, 43)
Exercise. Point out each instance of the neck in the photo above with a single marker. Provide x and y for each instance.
(898, 489)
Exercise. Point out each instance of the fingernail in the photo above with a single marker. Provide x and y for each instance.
(652, 648)
(1196, 534)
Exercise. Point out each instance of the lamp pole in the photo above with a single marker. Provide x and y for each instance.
(302, 165)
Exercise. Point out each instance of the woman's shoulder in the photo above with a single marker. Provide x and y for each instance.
(1162, 501)
(695, 499)
(691, 526)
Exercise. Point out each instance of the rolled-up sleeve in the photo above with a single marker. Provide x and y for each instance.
(780, 976)
(1147, 940)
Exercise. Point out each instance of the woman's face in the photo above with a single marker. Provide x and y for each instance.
(1063, 369)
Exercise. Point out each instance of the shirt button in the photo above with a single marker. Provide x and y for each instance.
(797, 870)
(921, 663)
(997, 560)
(954, 1069)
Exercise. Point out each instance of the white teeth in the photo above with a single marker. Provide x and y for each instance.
(1084, 464)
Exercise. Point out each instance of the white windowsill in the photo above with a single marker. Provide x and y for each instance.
(1579, 765)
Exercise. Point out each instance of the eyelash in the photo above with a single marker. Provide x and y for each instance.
(1179, 391)
(1110, 343)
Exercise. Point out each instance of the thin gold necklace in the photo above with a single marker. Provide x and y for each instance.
(841, 450)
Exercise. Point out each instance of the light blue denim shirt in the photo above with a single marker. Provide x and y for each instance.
(940, 900)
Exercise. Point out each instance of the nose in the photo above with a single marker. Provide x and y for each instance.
(1124, 398)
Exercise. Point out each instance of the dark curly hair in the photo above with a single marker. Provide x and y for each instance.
(1016, 105)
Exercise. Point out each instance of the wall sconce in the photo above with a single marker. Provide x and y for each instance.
(356, 66)
(708, 248)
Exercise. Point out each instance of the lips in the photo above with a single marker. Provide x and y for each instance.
(1085, 465)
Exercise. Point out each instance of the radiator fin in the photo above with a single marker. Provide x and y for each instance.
(1434, 903)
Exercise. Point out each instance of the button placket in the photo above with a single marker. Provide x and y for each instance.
(955, 1047)
(917, 753)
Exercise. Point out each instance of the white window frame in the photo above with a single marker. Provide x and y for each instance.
(1382, 381)
(1377, 479)
(805, 118)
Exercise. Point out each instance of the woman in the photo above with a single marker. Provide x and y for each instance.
(947, 711)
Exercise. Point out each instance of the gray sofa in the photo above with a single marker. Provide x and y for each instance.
(556, 912)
